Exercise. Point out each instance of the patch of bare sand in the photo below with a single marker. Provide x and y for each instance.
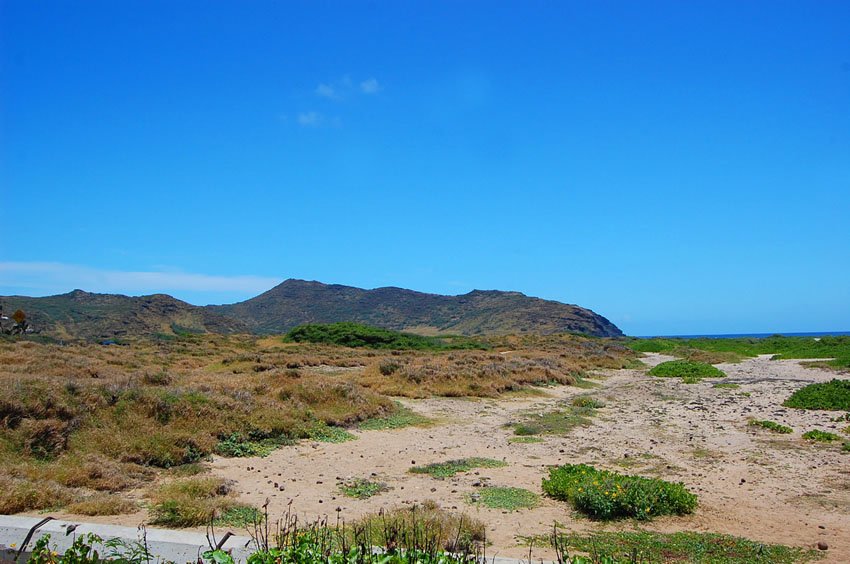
(751, 482)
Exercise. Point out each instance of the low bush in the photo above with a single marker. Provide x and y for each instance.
(832, 396)
(771, 426)
(606, 495)
(686, 369)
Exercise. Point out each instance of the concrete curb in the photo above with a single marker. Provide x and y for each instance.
(166, 545)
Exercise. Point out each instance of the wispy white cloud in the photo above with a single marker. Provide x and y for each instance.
(345, 88)
(53, 277)
(310, 119)
(370, 86)
(327, 91)
(317, 119)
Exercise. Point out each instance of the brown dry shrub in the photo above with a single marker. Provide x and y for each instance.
(102, 504)
(18, 495)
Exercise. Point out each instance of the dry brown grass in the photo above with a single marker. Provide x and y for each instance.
(79, 419)
(102, 504)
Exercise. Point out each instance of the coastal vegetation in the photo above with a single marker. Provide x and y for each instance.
(347, 334)
(771, 426)
(688, 370)
(451, 467)
(833, 395)
(606, 495)
(836, 348)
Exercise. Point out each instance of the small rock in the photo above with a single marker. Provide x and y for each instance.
(823, 546)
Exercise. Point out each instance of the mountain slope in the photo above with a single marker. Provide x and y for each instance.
(479, 312)
(82, 315)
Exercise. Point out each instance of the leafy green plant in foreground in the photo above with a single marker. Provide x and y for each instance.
(451, 467)
(833, 396)
(606, 495)
(692, 547)
(688, 370)
(771, 426)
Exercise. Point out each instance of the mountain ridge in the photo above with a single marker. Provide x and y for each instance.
(293, 302)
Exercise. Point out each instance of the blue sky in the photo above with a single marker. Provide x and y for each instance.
(679, 167)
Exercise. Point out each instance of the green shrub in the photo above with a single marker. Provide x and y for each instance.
(606, 495)
(686, 369)
(772, 426)
(833, 396)
(821, 436)
(450, 468)
(348, 334)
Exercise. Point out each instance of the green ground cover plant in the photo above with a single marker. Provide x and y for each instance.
(833, 396)
(400, 418)
(606, 495)
(771, 425)
(506, 498)
(451, 467)
(727, 385)
(559, 421)
(683, 547)
(349, 334)
(688, 370)
(819, 436)
(360, 488)
(587, 401)
(525, 439)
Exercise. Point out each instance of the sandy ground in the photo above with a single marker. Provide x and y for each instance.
(751, 482)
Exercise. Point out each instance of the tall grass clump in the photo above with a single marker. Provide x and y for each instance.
(606, 495)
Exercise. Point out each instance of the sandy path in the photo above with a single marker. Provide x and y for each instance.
(768, 487)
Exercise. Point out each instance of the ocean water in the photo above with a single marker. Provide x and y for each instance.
(750, 335)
